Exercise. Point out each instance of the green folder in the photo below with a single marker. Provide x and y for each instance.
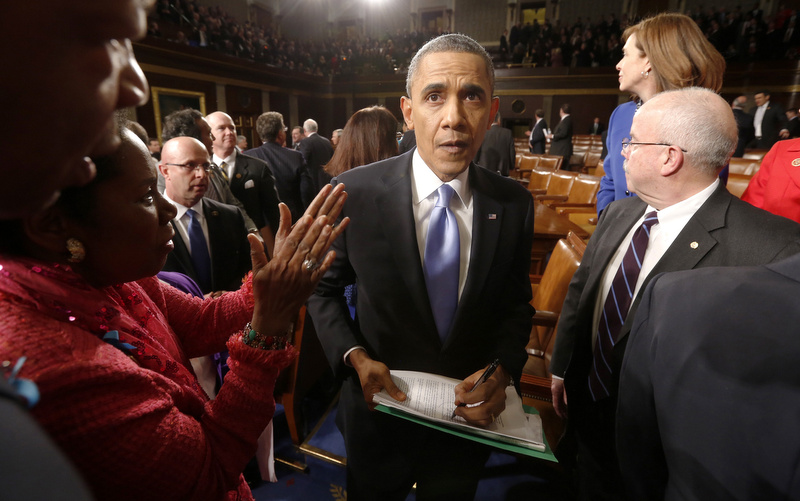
(547, 455)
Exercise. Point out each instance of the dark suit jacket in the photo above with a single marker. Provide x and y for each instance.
(728, 232)
(408, 142)
(744, 122)
(497, 151)
(259, 197)
(774, 121)
(561, 144)
(595, 129)
(537, 140)
(394, 320)
(317, 151)
(291, 176)
(794, 127)
(230, 250)
(710, 386)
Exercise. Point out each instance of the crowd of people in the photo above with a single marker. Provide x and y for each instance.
(738, 34)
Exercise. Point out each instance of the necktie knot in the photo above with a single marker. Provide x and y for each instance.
(446, 193)
(650, 219)
(192, 214)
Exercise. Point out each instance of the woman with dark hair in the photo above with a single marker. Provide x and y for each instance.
(108, 344)
(370, 135)
(664, 52)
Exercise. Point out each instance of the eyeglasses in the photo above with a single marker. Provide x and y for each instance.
(192, 166)
(627, 142)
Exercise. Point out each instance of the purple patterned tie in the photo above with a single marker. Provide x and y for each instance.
(616, 307)
(442, 258)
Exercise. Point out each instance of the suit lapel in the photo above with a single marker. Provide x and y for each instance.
(397, 217)
(181, 253)
(213, 222)
(487, 218)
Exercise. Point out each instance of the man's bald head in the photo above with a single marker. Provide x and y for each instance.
(224, 132)
(184, 165)
(698, 120)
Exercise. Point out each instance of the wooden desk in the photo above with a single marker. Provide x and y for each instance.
(548, 228)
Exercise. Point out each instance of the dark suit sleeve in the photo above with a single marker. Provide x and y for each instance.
(512, 155)
(307, 192)
(514, 330)
(269, 199)
(563, 129)
(328, 307)
(639, 447)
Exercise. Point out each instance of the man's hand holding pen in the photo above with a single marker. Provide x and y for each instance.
(491, 393)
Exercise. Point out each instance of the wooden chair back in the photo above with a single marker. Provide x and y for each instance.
(548, 299)
(755, 154)
(743, 166)
(539, 180)
(737, 183)
(560, 183)
(584, 190)
(552, 162)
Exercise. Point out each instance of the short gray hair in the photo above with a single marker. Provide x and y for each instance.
(310, 125)
(453, 42)
(269, 125)
(684, 122)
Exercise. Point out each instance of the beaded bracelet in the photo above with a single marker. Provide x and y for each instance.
(252, 338)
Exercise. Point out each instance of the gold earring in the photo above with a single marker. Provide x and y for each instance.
(77, 252)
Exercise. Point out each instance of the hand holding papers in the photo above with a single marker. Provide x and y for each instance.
(430, 396)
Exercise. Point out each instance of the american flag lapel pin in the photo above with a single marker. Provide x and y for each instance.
(492, 216)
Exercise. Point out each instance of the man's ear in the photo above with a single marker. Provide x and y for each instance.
(405, 106)
(673, 161)
(48, 230)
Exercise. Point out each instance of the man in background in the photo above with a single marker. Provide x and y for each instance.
(297, 136)
(288, 167)
(317, 151)
(744, 123)
(769, 121)
(561, 138)
(249, 178)
(537, 134)
(497, 152)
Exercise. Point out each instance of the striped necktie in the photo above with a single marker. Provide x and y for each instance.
(615, 309)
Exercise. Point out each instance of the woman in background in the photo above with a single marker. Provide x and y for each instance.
(667, 51)
(370, 135)
(108, 344)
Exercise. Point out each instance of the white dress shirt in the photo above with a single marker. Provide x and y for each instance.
(759, 118)
(182, 220)
(230, 163)
(671, 222)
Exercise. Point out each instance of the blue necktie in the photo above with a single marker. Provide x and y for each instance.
(616, 307)
(442, 259)
(200, 257)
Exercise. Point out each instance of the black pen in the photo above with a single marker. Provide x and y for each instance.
(484, 377)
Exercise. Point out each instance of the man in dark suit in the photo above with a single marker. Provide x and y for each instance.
(561, 138)
(317, 151)
(408, 142)
(390, 250)
(225, 259)
(672, 164)
(769, 121)
(497, 151)
(744, 123)
(596, 128)
(291, 176)
(250, 179)
(709, 393)
(537, 138)
(793, 123)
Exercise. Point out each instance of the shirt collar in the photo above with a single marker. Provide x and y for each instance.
(684, 209)
(182, 209)
(230, 159)
(424, 182)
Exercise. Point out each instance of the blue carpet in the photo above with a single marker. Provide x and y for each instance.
(506, 477)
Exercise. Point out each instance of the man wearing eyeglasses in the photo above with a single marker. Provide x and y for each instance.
(683, 218)
(210, 237)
